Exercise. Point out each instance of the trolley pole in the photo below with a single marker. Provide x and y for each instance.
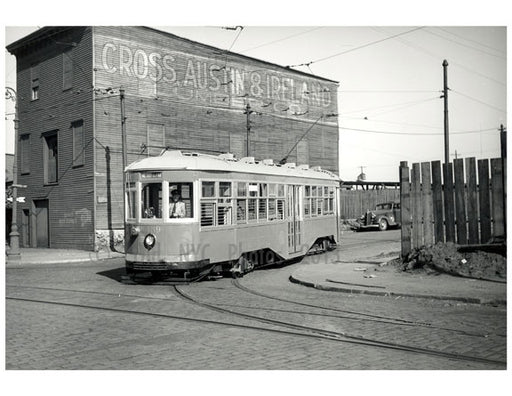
(14, 235)
(446, 129)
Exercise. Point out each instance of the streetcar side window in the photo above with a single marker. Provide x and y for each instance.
(208, 189)
(314, 201)
(241, 211)
(241, 203)
(280, 209)
(224, 207)
(151, 200)
(272, 209)
(242, 189)
(331, 200)
(262, 202)
(131, 193)
(307, 201)
(319, 201)
(252, 202)
(207, 214)
(216, 203)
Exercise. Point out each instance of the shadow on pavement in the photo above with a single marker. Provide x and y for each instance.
(117, 274)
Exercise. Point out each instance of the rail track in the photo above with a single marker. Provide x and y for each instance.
(277, 326)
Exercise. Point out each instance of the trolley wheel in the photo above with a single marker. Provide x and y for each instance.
(383, 225)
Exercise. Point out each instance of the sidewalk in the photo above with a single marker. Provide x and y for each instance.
(33, 256)
(376, 278)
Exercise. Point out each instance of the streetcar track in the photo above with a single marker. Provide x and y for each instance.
(372, 318)
(340, 336)
(303, 331)
(375, 318)
(320, 334)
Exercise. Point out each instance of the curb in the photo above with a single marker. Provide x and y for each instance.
(470, 300)
(21, 263)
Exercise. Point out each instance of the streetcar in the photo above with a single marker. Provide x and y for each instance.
(188, 214)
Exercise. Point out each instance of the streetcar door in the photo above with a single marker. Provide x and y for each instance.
(294, 219)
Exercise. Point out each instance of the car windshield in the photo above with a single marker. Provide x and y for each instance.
(384, 206)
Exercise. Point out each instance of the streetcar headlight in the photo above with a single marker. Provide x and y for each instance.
(149, 241)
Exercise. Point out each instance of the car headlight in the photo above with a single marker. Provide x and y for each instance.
(149, 241)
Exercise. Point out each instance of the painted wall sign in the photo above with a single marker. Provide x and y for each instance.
(193, 78)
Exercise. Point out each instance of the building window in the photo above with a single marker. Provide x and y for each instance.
(78, 143)
(67, 70)
(25, 154)
(34, 82)
(50, 161)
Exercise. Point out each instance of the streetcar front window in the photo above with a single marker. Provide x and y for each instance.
(180, 200)
(151, 200)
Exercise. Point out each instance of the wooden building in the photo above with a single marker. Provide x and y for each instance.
(178, 93)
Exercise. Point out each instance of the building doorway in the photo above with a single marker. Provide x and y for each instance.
(42, 237)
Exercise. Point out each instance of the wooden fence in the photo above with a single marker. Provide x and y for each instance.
(459, 207)
(354, 203)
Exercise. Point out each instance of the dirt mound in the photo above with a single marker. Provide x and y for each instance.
(446, 257)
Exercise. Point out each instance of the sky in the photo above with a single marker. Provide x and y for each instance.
(390, 83)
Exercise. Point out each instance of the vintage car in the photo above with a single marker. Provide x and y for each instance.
(384, 216)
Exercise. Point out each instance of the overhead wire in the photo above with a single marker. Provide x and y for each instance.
(479, 101)
(357, 48)
(464, 45)
(470, 40)
(279, 40)
(416, 133)
(436, 56)
(411, 103)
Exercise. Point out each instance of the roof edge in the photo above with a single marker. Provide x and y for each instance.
(13, 48)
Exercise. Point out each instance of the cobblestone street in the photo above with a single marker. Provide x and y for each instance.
(82, 317)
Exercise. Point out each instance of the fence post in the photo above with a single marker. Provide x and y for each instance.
(485, 200)
(449, 204)
(405, 209)
(426, 198)
(437, 193)
(460, 202)
(472, 200)
(417, 213)
(498, 208)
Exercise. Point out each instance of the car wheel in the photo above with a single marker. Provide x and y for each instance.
(383, 225)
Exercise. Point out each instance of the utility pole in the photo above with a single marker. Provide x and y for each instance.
(248, 112)
(503, 144)
(123, 148)
(14, 235)
(446, 130)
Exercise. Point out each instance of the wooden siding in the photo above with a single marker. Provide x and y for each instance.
(354, 203)
(200, 110)
(71, 199)
(459, 208)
